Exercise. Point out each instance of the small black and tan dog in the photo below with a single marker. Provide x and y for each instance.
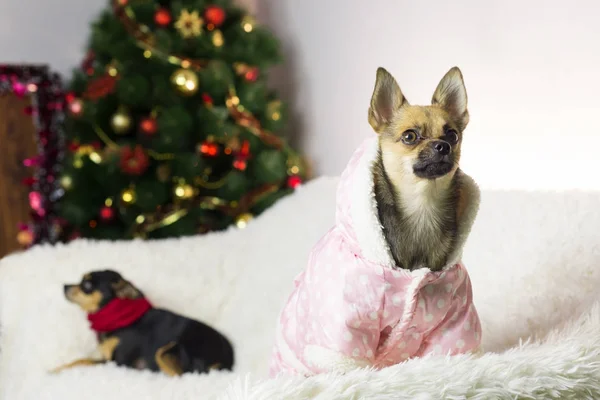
(132, 333)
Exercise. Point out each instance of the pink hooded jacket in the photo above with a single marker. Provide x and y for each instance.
(351, 308)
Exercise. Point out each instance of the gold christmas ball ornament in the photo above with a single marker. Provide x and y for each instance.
(217, 38)
(274, 110)
(95, 157)
(183, 191)
(111, 69)
(242, 220)
(66, 182)
(248, 23)
(25, 238)
(77, 161)
(128, 196)
(185, 81)
(121, 122)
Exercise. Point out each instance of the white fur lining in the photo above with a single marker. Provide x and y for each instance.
(363, 209)
(332, 360)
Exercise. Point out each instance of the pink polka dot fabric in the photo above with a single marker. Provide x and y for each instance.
(352, 308)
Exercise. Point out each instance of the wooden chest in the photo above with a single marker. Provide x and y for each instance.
(17, 142)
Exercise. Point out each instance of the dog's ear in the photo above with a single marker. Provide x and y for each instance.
(451, 95)
(387, 98)
(125, 290)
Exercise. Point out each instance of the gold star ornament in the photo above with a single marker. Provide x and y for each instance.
(189, 24)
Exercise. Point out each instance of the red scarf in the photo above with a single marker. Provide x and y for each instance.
(118, 313)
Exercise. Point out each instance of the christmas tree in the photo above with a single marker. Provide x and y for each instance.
(170, 123)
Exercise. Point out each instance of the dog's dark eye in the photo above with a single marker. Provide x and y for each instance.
(86, 286)
(451, 136)
(409, 137)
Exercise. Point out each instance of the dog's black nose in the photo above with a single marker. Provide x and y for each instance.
(66, 288)
(442, 147)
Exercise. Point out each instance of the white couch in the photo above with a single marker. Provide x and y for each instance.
(534, 259)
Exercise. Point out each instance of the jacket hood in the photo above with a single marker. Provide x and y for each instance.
(356, 213)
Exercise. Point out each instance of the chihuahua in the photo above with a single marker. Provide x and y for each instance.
(426, 204)
(387, 283)
(134, 334)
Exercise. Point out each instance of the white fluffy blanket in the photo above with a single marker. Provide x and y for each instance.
(534, 259)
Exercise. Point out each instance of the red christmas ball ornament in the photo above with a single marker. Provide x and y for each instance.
(251, 75)
(214, 15)
(209, 149)
(241, 156)
(162, 17)
(134, 161)
(294, 181)
(240, 164)
(88, 62)
(73, 146)
(69, 97)
(76, 107)
(245, 149)
(107, 213)
(148, 126)
(206, 99)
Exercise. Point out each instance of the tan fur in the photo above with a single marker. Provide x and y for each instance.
(399, 158)
(422, 218)
(168, 363)
(77, 363)
(90, 303)
(105, 353)
(125, 289)
(429, 121)
(107, 347)
(381, 115)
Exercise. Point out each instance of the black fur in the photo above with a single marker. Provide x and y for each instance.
(197, 347)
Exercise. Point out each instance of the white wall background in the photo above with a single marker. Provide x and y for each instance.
(46, 31)
(531, 70)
